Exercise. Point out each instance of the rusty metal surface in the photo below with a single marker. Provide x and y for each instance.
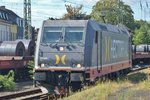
(7, 62)
(140, 55)
(12, 64)
(10, 58)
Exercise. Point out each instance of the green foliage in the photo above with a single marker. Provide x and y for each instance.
(75, 13)
(7, 81)
(31, 67)
(113, 12)
(141, 33)
(11, 74)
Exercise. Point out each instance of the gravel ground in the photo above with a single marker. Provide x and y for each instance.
(126, 94)
(21, 86)
(142, 95)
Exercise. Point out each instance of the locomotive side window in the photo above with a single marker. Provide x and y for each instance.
(73, 34)
(52, 34)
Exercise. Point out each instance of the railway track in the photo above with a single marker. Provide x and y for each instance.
(138, 68)
(30, 94)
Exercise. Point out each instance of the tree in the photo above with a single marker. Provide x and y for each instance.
(141, 33)
(114, 12)
(75, 13)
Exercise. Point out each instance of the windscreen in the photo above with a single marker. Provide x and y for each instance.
(73, 34)
(52, 34)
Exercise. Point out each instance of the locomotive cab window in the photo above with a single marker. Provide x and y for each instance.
(73, 34)
(52, 34)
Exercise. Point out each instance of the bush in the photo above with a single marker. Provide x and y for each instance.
(30, 67)
(1, 82)
(7, 81)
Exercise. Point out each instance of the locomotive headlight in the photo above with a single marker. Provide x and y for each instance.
(42, 65)
(78, 65)
(61, 49)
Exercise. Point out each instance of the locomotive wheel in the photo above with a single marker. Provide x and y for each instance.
(75, 86)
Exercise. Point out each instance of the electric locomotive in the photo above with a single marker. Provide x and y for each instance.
(71, 53)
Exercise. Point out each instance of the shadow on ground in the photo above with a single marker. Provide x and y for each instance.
(137, 77)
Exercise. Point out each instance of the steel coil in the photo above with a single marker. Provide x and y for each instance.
(12, 48)
(29, 46)
(148, 48)
(141, 48)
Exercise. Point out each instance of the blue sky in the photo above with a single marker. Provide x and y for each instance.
(43, 9)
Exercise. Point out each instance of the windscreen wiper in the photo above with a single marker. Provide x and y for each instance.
(44, 44)
(69, 41)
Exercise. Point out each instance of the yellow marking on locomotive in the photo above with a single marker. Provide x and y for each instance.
(107, 44)
(105, 49)
(108, 48)
(63, 59)
(57, 59)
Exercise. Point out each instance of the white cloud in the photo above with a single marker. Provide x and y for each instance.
(86, 2)
(48, 1)
(127, 1)
(133, 2)
(12, 1)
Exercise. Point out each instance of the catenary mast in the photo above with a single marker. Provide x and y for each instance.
(27, 19)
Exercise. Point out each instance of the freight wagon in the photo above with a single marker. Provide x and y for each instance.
(15, 55)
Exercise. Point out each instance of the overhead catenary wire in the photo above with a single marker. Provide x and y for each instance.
(17, 7)
(145, 9)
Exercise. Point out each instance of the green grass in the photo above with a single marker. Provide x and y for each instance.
(101, 90)
(123, 89)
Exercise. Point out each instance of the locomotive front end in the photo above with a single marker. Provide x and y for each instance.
(59, 58)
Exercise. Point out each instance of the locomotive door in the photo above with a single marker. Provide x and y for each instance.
(98, 36)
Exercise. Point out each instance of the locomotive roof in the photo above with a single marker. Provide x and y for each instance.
(83, 23)
(109, 27)
(80, 23)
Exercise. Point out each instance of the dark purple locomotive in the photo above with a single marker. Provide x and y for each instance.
(72, 53)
